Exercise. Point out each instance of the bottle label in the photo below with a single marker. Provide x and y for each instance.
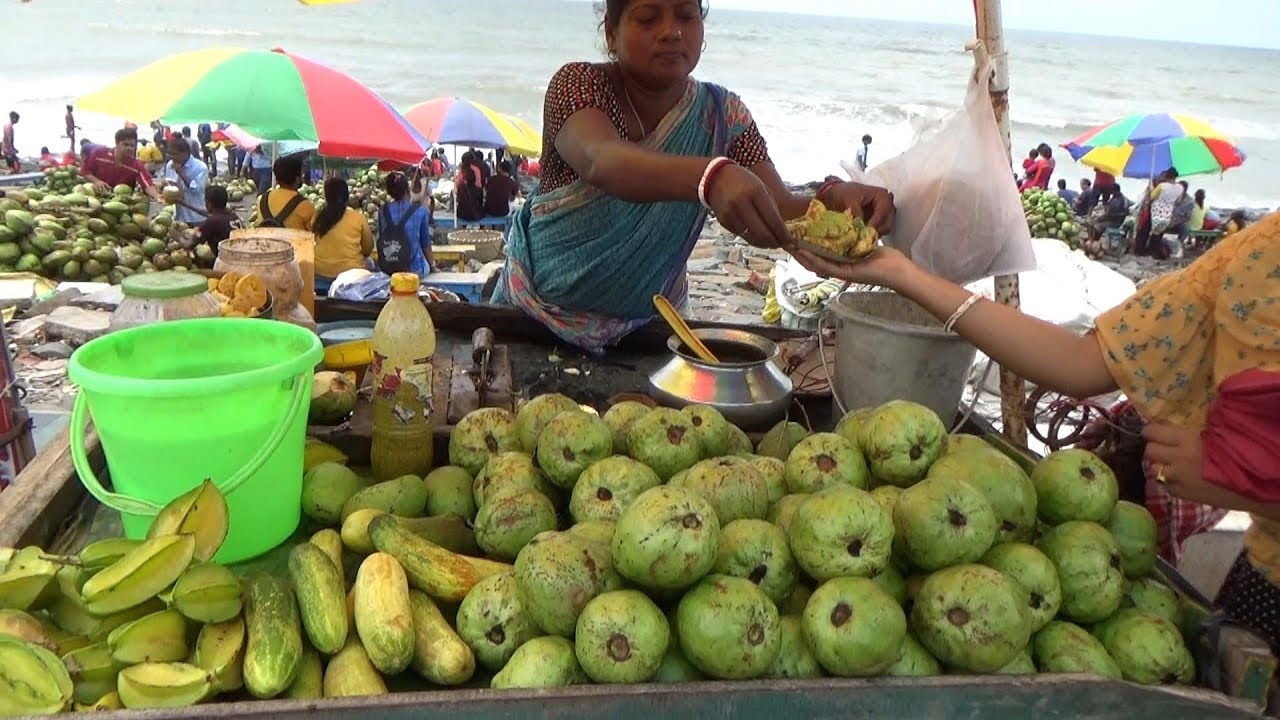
(405, 390)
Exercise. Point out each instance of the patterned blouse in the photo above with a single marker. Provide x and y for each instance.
(1172, 344)
(582, 85)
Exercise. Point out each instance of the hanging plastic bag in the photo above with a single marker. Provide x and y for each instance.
(959, 213)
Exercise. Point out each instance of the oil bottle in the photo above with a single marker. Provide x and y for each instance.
(404, 339)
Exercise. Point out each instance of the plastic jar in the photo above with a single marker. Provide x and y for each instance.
(272, 261)
(160, 296)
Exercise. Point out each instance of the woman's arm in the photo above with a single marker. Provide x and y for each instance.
(791, 205)
(1039, 351)
(590, 145)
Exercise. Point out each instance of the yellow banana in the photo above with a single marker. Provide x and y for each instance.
(18, 624)
(309, 684)
(317, 451)
(159, 637)
(207, 593)
(220, 650)
(162, 685)
(33, 681)
(102, 553)
(200, 512)
(92, 670)
(138, 576)
(110, 701)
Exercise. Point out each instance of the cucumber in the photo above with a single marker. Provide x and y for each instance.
(273, 649)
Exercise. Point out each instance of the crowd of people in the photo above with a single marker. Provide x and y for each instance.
(1167, 207)
(188, 160)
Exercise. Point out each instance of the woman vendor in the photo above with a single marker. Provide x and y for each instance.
(635, 155)
(1197, 351)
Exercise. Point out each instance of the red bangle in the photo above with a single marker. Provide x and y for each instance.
(823, 188)
(704, 186)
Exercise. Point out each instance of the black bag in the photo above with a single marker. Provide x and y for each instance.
(393, 242)
(267, 220)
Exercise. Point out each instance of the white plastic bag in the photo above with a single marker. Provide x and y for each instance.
(959, 214)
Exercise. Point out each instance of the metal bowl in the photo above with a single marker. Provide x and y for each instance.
(747, 386)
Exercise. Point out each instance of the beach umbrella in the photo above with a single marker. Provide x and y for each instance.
(273, 95)
(456, 121)
(1143, 146)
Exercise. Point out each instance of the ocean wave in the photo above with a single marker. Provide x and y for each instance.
(165, 29)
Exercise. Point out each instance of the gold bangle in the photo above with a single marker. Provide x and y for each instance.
(960, 311)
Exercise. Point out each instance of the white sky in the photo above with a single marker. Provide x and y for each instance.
(1250, 23)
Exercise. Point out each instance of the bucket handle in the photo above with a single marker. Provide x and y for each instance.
(136, 506)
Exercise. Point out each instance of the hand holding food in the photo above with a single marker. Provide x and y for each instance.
(873, 204)
(831, 234)
(742, 203)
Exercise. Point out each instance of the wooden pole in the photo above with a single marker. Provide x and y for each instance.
(991, 33)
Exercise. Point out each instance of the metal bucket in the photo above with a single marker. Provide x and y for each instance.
(890, 348)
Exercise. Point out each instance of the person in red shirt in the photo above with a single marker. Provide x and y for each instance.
(1103, 179)
(108, 167)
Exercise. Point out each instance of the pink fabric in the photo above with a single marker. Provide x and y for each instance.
(1241, 439)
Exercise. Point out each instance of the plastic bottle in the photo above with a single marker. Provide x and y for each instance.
(404, 339)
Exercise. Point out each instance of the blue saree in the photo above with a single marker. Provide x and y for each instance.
(587, 264)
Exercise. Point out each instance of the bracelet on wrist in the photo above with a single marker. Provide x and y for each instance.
(823, 189)
(969, 302)
(708, 174)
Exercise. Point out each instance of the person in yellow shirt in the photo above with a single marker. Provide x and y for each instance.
(282, 206)
(343, 238)
(1170, 347)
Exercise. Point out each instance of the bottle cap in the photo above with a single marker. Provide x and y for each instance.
(404, 283)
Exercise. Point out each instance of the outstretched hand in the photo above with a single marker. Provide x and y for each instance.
(880, 268)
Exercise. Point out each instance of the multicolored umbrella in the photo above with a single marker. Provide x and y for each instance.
(456, 121)
(1143, 146)
(273, 95)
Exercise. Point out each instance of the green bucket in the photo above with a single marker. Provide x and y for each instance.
(177, 402)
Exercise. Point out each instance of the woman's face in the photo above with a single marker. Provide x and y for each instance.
(658, 42)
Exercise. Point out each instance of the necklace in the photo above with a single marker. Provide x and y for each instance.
(627, 94)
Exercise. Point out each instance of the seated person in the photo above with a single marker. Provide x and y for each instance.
(282, 206)
(47, 159)
(343, 238)
(219, 220)
(1066, 194)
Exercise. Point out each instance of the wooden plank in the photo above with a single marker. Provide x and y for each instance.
(46, 493)
(1007, 697)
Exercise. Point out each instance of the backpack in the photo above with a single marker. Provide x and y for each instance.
(267, 220)
(393, 242)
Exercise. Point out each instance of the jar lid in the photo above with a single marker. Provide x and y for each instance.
(167, 284)
(404, 283)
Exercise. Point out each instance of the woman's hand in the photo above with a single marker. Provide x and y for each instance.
(1176, 456)
(873, 204)
(883, 267)
(744, 205)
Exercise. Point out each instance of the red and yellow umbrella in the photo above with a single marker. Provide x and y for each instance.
(273, 95)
